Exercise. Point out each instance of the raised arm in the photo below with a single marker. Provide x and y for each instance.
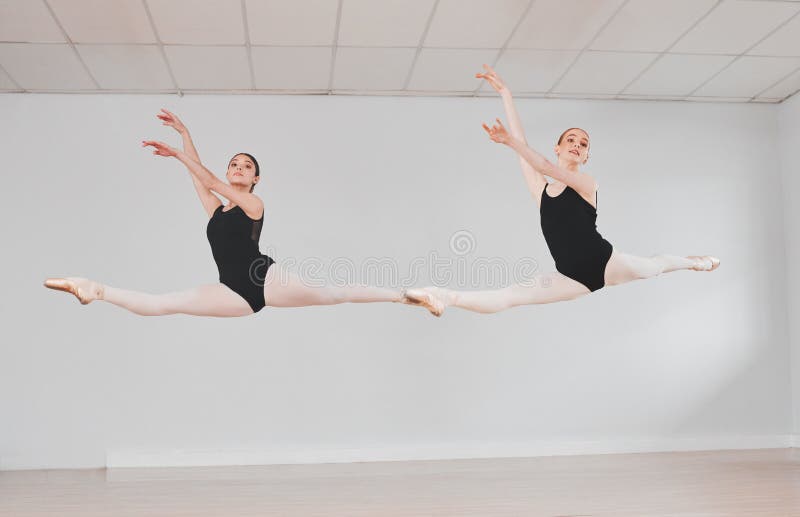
(250, 203)
(210, 201)
(535, 180)
(581, 183)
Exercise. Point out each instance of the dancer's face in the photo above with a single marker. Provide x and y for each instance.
(574, 147)
(242, 171)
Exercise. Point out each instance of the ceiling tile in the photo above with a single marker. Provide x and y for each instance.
(449, 69)
(372, 68)
(388, 23)
(784, 88)
(599, 96)
(474, 24)
(101, 21)
(531, 70)
(748, 76)
(603, 72)
(734, 26)
(44, 67)
(650, 97)
(209, 68)
(198, 22)
(276, 68)
(694, 98)
(295, 22)
(27, 21)
(675, 74)
(563, 24)
(127, 67)
(784, 42)
(650, 25)
(5, 82)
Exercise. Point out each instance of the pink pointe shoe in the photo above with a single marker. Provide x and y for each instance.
(424, 298)
(709, 263)
(86, 291)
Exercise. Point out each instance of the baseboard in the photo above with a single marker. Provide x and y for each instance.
(260, 456)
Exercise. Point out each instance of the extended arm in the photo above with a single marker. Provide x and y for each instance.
(581, 183)
(250, 203)
(534, 179)
(210, 201)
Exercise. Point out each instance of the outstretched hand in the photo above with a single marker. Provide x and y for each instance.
(498, 133)
(493, 79)
(170, 119)
(160, 148)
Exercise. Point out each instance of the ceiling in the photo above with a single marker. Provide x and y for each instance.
(695, 50)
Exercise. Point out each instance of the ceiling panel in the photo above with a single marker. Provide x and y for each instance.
(599, 96)
(27, 21)
(623, 49)
(44, 66)
(5, 82)
(734, 26)
(276, 67)
(635, 97)
(603, 72)
(101, 21)
(784, 88)
(474, 24)
(650, 25)
(388, 23)
(209, 68)
(127, 67)
(748, 76)
(563, 24)
(443, 69)
(372, 68)
(198, 22)
(295, 22)
(784, 42)
(716, 99)
(678, 74)
(531, 70)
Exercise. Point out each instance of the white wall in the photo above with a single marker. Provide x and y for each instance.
(686, 360)
(789, 127)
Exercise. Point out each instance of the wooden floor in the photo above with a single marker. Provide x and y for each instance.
(764, 483)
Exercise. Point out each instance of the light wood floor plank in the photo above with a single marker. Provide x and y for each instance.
(749, 483)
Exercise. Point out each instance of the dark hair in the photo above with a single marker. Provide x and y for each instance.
(255, 162)
(567, 131)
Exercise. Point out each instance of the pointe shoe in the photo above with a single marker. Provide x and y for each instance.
(424, 298)
(707, 259)
(84, 290)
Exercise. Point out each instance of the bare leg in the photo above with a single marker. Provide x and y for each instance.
(622, 267)
(545, 288)
(206, 300)
(285, 289)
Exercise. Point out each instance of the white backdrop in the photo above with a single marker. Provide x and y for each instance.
(686, 360)
(789, 141)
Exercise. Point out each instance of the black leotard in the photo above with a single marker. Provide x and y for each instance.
(233, 236)
(570, 229)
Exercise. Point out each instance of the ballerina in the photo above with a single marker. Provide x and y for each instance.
(585, 261)
(247, 280)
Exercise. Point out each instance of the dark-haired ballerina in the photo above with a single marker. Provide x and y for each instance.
(585, 261)
(247, 280)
